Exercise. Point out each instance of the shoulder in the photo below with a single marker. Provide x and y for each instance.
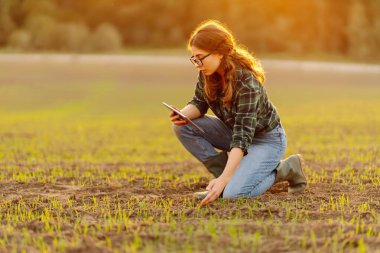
(246, 81)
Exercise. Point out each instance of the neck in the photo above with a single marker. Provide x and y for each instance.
(220, 71)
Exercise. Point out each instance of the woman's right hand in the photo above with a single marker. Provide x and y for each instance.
(177, 120)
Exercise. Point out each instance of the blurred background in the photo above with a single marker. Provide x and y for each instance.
(82, 124)
(292, 28)
(85, 75)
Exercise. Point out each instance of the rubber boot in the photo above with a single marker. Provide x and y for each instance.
(290, 170)
(215, 166)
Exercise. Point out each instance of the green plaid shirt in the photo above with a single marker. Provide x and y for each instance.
(251, 111)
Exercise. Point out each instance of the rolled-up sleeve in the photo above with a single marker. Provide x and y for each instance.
(246, 116)
(198, 100)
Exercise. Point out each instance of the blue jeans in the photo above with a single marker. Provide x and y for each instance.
(255, 173)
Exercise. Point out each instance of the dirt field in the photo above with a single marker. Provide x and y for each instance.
(88, 162)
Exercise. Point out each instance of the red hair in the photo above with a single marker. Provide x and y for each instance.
(213, 36)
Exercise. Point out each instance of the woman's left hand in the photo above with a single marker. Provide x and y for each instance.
(215, 188)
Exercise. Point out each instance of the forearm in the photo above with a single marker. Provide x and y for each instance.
(191, 111)
(233, 161)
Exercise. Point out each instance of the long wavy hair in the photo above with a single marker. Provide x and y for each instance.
(213, 36)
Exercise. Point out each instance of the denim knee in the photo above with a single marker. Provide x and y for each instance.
(182, 130)
(230, 192)
(176, 129)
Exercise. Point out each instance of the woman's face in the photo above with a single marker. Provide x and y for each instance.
(210, 63)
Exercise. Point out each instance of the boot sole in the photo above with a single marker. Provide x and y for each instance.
(299, 187)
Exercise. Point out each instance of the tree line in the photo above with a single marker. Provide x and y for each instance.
(347, 27)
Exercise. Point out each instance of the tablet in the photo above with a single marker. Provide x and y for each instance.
(183, 116)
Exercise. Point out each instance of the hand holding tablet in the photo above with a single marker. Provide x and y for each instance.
(182, 116)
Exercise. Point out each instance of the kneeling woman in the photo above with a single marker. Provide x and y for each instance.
(247, 128)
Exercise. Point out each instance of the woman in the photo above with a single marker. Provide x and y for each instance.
(230, 83)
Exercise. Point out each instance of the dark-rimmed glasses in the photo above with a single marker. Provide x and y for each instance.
(198, 61)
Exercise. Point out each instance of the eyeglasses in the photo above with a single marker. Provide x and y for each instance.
(198, 61)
